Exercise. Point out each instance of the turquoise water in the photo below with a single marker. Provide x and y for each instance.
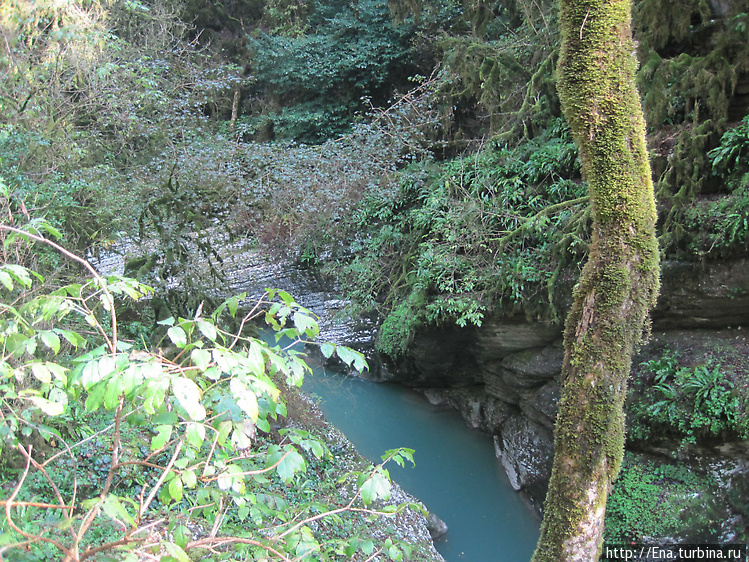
(456, 475)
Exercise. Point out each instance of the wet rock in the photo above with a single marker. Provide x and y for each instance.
(703, 295)
(436, 526)
(480, 410)
(543, 404)
(440, 357)
(497, 338)
(525, 449)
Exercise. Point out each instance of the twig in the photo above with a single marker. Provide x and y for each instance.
(215, 542)
(110, 342)
(161, 479)
(9, 503)
(35, 504)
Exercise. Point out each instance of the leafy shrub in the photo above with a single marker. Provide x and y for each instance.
(194, 413)
(486, 232)
(691, 403)
(313, 85)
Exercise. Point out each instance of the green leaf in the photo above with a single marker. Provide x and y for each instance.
(327, 350)
(177, 335)
(207, 329)
(160, 439)
(230, 478)
(351, 357)
(201, 358)
(75, 339)
(176, 551)
(50, 339)
(114, 509)
(189, 478)
(255, 358)
(95, 396)
(6, 280)
(48, 407)
(224, 429)
(292, 463)
(112, 393)
(175, 489)
(367, 547)
(305, 324)
(188, 395)
(181, 536)
(245, 398)
(41, 372)
(166, 417)
(195, 434)
(377, 486)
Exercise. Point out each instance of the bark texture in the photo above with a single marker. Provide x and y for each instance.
(618, 285)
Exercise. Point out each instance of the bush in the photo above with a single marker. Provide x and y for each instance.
(691, 403)
(191, 437)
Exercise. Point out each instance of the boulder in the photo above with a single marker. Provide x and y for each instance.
(525, 449)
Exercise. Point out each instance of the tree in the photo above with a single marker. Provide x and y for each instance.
(619, 283)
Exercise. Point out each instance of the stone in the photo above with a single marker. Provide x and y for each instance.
(709, 295)
(525, 449)
(532, 367)
(499, 337)
(440, 357)
(543, 404)
(436, 526)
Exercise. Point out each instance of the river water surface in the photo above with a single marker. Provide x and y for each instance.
(456, 475)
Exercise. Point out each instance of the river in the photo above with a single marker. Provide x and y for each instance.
(457, 475)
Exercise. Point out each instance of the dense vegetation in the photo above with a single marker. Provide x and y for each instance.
(414, 150)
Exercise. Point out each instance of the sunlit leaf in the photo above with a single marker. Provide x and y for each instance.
(175, 489)
(176, 551)
(114, 509)
(377, 486)
(160, 439)
(195, 434)
(207, 329)
(245, 398)
(177, 335)
(188, 394)
(201, 358)
(189, 478)
(50, 339)
(327, 350)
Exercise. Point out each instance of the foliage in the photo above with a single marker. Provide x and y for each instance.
(197, 408)
(312, 85)
(94, 92)
(657, 500)
(692, 403)
(691, 62)
(485, 232)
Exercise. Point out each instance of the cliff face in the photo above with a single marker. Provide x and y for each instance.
(504, 376)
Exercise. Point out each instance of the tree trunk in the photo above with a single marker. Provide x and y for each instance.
(618, 284)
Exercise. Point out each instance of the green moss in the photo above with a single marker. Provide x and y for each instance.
(613, 296)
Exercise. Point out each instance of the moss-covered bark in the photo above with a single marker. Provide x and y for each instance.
(618, 285)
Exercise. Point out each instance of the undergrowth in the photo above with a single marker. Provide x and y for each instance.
(659, 499)
(688, 403)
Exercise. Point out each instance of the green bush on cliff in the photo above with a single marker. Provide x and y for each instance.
(490, 231)
(690, 403)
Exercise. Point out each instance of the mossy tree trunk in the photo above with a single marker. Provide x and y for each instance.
(619, 283)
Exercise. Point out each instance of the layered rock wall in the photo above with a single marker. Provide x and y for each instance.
(504, 376)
